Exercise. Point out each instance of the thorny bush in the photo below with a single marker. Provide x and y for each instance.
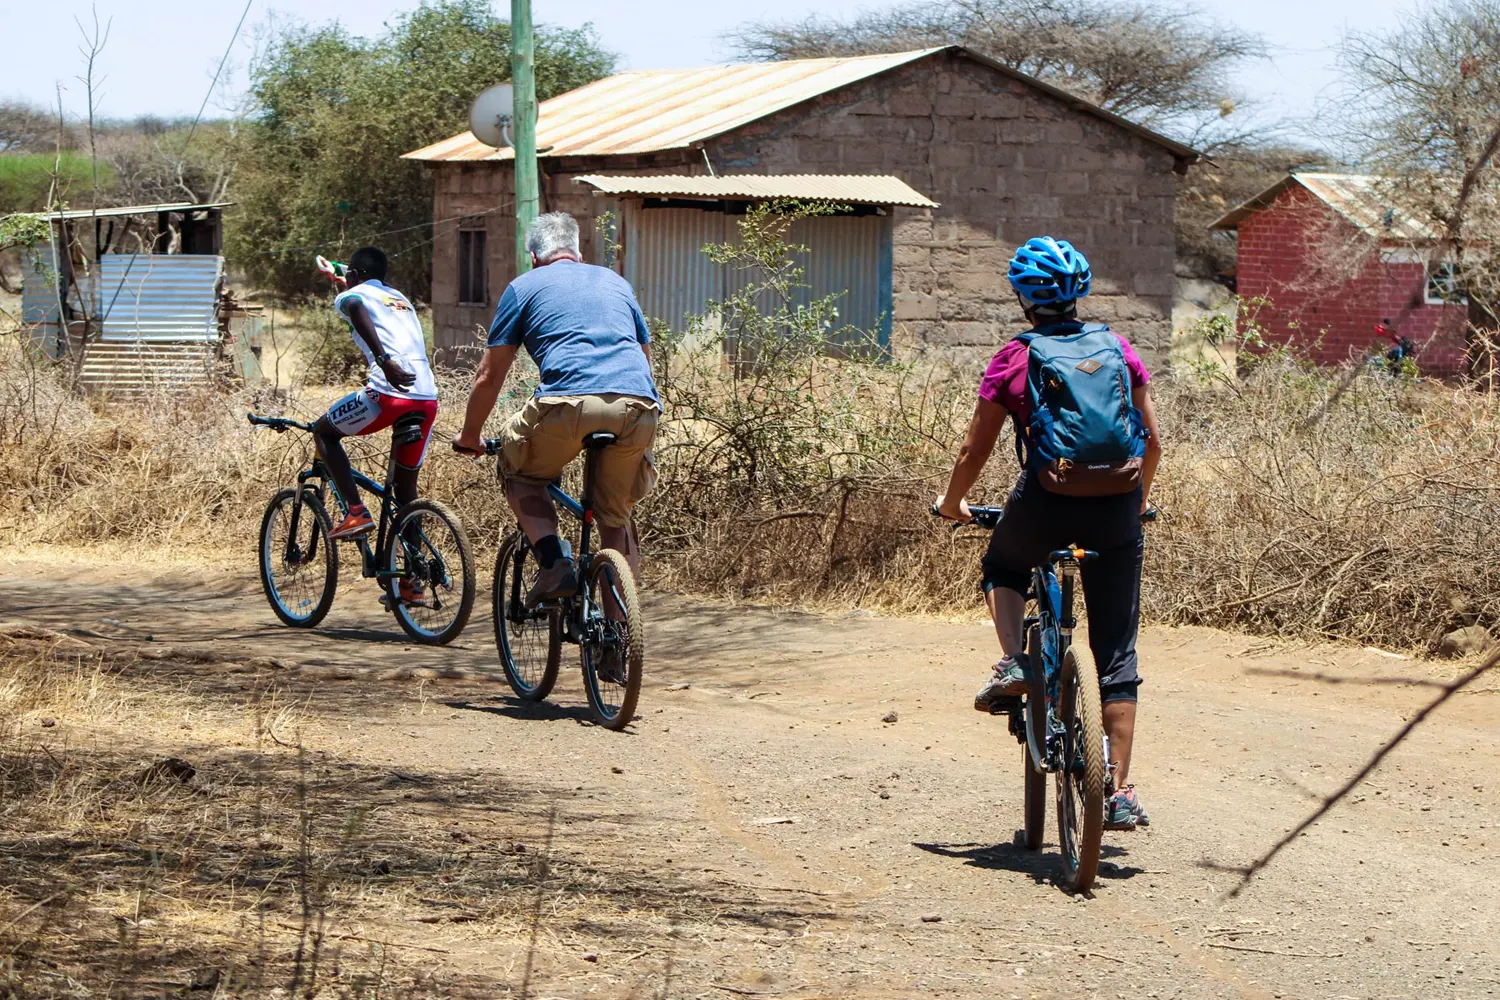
(796, 465)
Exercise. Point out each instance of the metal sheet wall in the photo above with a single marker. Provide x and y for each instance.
(156, 297)
(39, 305)
(849, 256)
(673, 279)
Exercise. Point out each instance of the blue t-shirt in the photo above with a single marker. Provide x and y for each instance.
(581, 325)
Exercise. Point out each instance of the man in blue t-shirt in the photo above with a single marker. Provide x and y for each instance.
(582, 326)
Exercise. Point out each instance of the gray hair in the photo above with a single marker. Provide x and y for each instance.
(552, 233)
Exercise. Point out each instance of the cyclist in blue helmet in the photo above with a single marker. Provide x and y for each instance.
(1049, 277)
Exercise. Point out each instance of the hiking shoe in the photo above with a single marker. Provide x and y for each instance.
(559, 580)
(357, 522)
(1124, 811)
(1008, 681)
(413, 593)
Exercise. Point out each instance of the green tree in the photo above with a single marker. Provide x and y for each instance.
(332, 113)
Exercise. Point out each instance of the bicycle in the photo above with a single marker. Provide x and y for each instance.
(530, 640)
(422, 541)
(1060, 721)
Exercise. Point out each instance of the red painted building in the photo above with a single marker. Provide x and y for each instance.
(1324, 258)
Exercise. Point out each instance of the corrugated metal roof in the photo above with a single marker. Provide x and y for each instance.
(645, 111)
(1366, 200)
(861, 189)
(648, 110)
(105, 213)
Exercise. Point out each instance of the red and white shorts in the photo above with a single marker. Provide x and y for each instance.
(368, 411)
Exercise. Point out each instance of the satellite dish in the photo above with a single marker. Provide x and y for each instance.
(489, 117)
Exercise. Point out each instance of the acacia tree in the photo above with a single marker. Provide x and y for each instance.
(1163, 66)
(331, 113)
(1424, 108)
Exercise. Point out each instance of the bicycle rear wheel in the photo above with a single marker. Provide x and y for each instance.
(615, 642)
(429, 546)
(299, 564)
(1080, 784)
(1036, 720)
(529, 639)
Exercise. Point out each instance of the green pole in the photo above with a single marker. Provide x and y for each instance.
(523, 124)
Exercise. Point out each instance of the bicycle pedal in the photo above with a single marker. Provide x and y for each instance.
(387, 603)
(1005, 706)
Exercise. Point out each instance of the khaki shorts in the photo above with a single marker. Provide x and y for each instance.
(538, 443)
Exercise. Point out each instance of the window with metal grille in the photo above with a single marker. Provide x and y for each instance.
(1444, 286)
(473, 283)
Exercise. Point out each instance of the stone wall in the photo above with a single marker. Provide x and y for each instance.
(1006, 161)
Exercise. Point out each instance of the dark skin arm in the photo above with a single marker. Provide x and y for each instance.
(364, 328)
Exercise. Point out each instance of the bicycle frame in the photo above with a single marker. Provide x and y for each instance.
(319, 472)
(1053, 584)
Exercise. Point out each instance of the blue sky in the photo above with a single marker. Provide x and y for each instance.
(162, 53)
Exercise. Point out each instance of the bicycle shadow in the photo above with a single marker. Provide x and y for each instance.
(546, 711)
(1040, 866)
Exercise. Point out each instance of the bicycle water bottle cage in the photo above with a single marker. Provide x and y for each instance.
(407, 430)
(599, 439)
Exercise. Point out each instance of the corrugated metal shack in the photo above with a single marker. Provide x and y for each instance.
(664, 222)
(129, 294)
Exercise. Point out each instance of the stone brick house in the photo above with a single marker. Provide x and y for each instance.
(1323, 258)
(1005, 156)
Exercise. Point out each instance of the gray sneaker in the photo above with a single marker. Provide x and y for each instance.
(561, 580)
(1008, 681)
(1124, 811)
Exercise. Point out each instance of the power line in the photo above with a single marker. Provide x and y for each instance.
(227, 49)
(370, 237)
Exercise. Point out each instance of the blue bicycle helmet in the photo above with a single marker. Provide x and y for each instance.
(1047, 273)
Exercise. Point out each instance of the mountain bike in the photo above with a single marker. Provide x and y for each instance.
(422, 541)
(1060, 720)
(603, 619)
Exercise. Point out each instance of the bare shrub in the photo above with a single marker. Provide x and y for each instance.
(796, 465)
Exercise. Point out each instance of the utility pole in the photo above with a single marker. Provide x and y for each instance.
(523, 124)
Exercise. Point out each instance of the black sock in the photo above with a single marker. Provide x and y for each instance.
(548, 551)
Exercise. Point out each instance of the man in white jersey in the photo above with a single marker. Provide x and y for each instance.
(400, 385)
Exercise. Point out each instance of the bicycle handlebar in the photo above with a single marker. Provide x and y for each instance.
(491, 447)
(278, 424)
(989, 517)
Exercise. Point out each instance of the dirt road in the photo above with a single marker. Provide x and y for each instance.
(762, 832)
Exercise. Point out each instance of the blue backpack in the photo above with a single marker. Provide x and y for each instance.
(1085, 438)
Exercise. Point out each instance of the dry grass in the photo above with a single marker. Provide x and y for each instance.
(172, 826)
(1297, 503)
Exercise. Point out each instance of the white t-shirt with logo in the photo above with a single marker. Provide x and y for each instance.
(400, 334)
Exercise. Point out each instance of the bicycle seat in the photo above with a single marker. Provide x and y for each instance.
(598, 439)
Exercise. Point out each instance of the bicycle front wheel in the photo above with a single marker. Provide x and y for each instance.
(1080, 783)
(299, 564)
(529, 639)
(614, 647)
(429, 551)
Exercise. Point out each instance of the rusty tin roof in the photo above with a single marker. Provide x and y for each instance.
(644, 111)
(860, 189)
(1367, 201)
